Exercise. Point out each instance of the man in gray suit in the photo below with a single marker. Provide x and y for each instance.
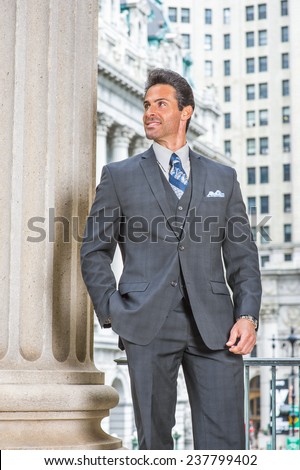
(181, 225)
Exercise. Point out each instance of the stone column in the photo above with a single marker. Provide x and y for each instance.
(121, 137)
(51, 394)
(140, 144)
(120, 140)
(104, 123)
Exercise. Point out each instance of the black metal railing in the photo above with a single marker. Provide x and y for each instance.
(273, 363)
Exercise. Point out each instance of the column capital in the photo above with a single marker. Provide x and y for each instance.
(104, 122)
(122, 135)
(140, 144)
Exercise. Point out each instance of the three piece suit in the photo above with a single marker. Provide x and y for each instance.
(190, 270)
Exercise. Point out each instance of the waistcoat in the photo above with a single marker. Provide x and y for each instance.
(180, 208)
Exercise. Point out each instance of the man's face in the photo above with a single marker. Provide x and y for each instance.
(162, 117)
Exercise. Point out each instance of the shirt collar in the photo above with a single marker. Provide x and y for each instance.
(163, 155)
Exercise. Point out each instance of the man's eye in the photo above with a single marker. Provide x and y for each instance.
(161, 104)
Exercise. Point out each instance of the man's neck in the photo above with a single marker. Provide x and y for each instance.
(172, 145)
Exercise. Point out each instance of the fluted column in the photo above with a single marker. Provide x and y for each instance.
(103, 125)
(140, 144)
(51, 394)
(120, 140)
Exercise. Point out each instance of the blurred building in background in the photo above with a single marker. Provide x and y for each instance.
(242, 60)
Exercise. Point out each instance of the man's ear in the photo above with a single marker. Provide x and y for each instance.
(186, 113)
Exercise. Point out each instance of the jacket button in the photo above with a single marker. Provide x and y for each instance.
(173, 283)
(180, 208)
(181, 247)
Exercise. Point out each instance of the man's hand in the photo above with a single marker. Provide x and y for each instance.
(242, 337)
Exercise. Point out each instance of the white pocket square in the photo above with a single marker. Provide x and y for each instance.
(217, 193)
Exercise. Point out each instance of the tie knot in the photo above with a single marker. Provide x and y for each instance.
(174, 159)
(177, 176)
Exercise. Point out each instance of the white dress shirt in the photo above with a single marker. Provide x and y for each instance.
(163, 155)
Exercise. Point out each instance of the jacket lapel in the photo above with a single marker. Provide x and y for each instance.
(198, 171)
(152, 173)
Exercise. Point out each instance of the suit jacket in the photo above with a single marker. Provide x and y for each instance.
(215, 252)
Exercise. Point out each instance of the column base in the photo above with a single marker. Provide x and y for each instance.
(56, 417)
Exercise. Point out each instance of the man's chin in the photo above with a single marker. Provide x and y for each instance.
(151, 135)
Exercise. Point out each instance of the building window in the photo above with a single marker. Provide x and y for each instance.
(251, 205)
(208, 42)
(286, 115)
(285, 62)
(250, 65)
(264, 174)
(264, 145)
(226, 15)
(264, 259)
(185, 15)
(208, 68)
(251, 175)
(250, 118)
(186, 43)
(250, 13)
(263, 90)
(285, 87)
(287, 203)
(284, 34)
(262, 37)
(286, 172)
(286, 143)
(227, 148)
(263, 117)
(226, 41)
(250, 39)
(227, 93)
(284, 8)
(208, 16)
(250, 92)
(265, 234)
(227, 67)
(173, 14)
(287, 232)
(227, 120)
(251, 147)
(253, 233)
(263, 63)
(264, 204)
(288, 257)
(262, 11)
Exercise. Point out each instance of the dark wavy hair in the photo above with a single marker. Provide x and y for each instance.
(184, 92)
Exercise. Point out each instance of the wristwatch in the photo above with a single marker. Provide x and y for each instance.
(250, 318)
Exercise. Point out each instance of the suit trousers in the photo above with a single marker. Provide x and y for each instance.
(214, 380)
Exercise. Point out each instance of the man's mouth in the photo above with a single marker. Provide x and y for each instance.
(152, 123)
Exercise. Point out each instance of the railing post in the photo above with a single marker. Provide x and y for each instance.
(273, 407)
(247, 407)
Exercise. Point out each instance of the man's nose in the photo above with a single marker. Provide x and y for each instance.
(149, 111)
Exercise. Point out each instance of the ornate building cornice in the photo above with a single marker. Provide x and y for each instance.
(123, 81)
